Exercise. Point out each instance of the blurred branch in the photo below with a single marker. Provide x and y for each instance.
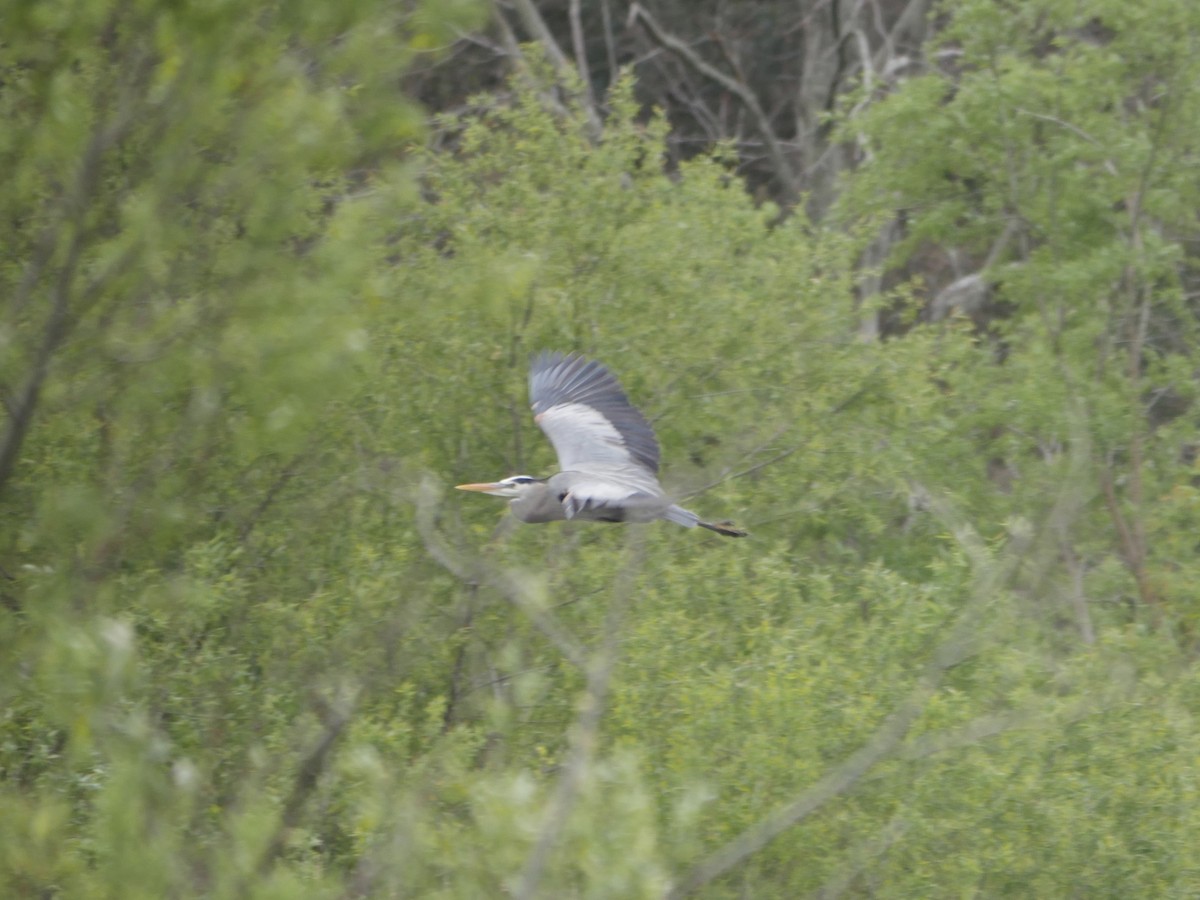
(965, 637)
(72, 217)
(1133, 550)
(1078, 599)
(887, 738)
(474, 572)
(286, 474)
(585, 732)
(860, 856)
(335, 716)
(1074, 129)
(913, 19)
(609, 44)
(58, 323)
(535, 25)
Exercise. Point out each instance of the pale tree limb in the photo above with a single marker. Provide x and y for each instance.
(535, 25)
(610, 46)
(335, 717)
(512, 49)
(911, 21)
(584, 735)
(971, 734)
(870, 282)
(849, 871)
(963, 641)
(581, 60)
(598, 668)
(1079, 605)
(474, 572)
(841, 778)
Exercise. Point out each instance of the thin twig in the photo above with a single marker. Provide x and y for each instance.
(838, 407)
(779, 161)
(1078, 599)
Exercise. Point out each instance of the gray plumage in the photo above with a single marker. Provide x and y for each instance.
(606, 450)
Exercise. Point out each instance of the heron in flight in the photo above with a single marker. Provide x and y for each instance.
(607, 453)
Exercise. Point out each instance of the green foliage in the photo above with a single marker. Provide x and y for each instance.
(253, 648)
(1069, 130)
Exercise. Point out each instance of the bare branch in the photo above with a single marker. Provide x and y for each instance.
(581, 60)
(1074, 129)
(912, 19)
(71, 218)
(609, 44)
(286, 474)
(887, 738)
(535, 25)
(1133, 551)
(846, 873)
(779, 161)
(58, 324)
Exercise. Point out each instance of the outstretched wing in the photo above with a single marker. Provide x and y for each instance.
(587, 416)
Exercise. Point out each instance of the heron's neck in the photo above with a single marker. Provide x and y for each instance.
(537, 503)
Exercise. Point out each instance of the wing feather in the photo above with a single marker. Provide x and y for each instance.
(580, 406)
(615, 494)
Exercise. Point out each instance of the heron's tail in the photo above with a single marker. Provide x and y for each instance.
(689, 519)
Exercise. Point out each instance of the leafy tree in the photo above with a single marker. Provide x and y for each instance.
(255, 649)
(1057, 147)
(191, 213)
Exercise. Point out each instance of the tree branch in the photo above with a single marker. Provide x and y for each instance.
(475, 573)
(58, 325)
(335, 716)
(779, 162)
(581, 60)
(960, 644)
(536, 27)
(585, 733)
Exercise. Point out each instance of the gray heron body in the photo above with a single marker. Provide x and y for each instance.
(607, 453)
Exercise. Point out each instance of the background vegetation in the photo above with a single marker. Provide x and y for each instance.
(910, 293)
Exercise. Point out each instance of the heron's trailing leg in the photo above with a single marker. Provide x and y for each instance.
(724, 529)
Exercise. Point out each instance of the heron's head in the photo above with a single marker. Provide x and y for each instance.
(505, 487)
